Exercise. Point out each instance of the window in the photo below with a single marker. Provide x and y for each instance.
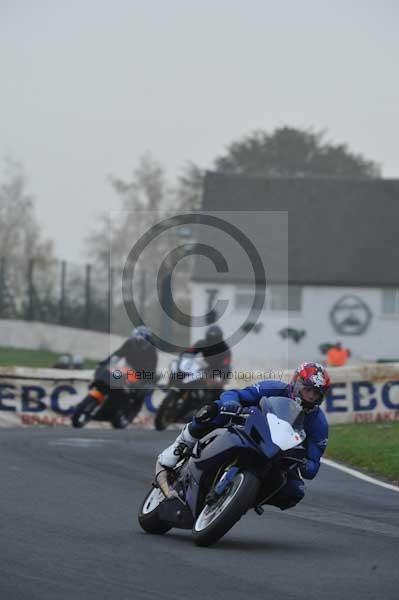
(244, 300)
(278, 298)
(295, 298)
(282, 297)
(390, 301)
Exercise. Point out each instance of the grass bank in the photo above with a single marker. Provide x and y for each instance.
(373, 447)
(17, 357)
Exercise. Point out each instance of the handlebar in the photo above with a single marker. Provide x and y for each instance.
(292, 462)
(298, 461)
(238, 418)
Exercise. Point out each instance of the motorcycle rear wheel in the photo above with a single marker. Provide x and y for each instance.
(148, 516)
(216, 519)
(83, 411)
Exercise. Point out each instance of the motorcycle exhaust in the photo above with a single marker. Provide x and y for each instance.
(98, 396)
(162, 479)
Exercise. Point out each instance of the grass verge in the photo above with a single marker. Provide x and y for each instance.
(372, 447)
(17, 357)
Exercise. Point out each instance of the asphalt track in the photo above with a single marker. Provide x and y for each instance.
(69, 501)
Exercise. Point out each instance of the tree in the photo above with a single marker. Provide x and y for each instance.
(20, 233)
(21, 240)
(189, 189)
(293, 152)
(140, 202)
(286, 152)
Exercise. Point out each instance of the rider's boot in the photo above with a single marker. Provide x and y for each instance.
(172, 454)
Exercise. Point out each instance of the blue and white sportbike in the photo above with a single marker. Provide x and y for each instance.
(228, 472)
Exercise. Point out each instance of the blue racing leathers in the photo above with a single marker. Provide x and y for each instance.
(315, 426)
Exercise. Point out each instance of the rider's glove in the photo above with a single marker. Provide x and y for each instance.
(309, 469)
(303, 467)
(207, 413)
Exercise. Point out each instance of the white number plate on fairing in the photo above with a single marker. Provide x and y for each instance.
(282, 434)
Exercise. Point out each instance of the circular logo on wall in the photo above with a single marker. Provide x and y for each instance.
(350, 315)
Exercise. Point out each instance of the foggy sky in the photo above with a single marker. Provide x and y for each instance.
(88, 86)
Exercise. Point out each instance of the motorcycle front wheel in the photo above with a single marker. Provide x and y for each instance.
(123, 417)
(217, 518)
(168, 411)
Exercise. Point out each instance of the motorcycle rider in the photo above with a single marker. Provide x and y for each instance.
(138, 351)
(140, 356)
(308, 386)
(217, 354)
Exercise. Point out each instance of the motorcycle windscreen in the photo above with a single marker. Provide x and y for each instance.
(285, 420)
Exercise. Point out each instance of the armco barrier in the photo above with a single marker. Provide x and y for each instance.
(359, 394)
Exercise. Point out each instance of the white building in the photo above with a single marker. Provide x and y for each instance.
(329, 248)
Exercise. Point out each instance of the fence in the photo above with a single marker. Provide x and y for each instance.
(56, 292)
(83, 296)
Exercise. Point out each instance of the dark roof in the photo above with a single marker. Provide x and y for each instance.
(340, 232)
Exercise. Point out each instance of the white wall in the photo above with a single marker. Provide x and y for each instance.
(262, 350)
(42, 336)
(265, 350)
(381, 340)
(268, 350)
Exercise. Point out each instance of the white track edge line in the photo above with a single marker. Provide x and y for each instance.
(359, 475)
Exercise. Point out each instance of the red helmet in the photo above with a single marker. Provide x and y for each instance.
(309, 385)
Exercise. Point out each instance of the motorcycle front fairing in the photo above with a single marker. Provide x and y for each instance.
(226, 446)
(265, 431)
(220, 447)
(285, 420)
(188, 370)
(273, 427)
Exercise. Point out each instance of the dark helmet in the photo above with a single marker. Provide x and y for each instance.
(214, 335)
(309, 385)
